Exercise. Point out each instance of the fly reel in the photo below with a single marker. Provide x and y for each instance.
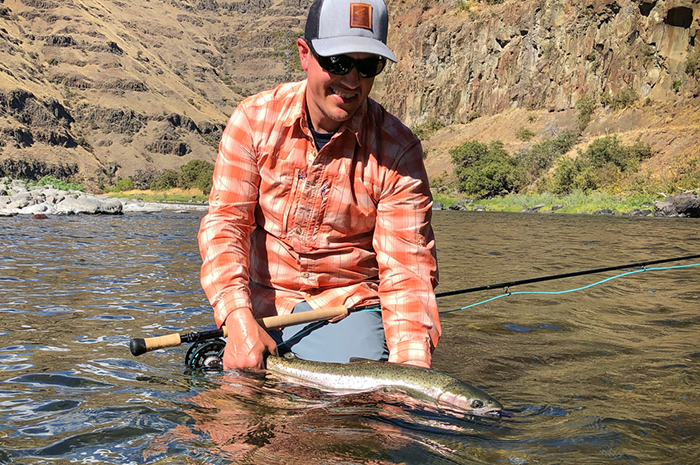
(206, 355)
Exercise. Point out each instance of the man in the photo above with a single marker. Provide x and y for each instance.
(320, 198)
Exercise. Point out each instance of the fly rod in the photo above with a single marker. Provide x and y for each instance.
(140, 346)
(563, 275)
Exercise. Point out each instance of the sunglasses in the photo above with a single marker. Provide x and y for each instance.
(343, 64)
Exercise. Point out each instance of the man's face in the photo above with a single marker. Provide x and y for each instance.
(332, 99)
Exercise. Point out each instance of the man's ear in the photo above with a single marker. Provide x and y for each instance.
(304, 53)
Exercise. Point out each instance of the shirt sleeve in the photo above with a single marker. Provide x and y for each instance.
(224, 234)
(405, 246)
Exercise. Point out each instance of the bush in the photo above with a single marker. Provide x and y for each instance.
(541, 156)
(125, 184)
(573, 174)
(599, 167)
(585, 106)
(524, 134)
(197, 174)
(165, 180)
(692, 62)
(609, 150)
(427, 128)
(484, 170)
(60, 184)
(623, 99)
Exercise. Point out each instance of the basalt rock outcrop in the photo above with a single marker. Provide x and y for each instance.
(681, 205)
(545, 54)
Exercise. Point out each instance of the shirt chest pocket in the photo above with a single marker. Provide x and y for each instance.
(349, 210)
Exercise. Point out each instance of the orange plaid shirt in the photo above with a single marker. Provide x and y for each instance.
(346, 225)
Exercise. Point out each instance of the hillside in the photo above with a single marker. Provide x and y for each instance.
(111, 89)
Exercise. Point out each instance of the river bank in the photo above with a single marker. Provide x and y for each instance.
(596, 203)
(21, 198)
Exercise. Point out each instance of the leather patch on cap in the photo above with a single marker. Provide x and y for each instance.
(361, 15)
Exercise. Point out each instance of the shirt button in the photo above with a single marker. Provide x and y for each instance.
(298, 231)
(305, 274)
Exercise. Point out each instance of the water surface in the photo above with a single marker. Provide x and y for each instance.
(608, 374)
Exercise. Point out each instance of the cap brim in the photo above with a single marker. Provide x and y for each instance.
(343, 45)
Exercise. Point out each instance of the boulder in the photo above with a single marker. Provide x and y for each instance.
(88, 204)
(681, 205)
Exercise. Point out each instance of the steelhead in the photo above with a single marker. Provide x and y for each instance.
(426, 385)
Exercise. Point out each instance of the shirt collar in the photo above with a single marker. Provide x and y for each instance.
(297, 114)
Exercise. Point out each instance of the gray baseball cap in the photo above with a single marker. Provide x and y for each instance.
(336, 27)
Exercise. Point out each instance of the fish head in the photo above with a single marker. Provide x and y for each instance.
(471, 403)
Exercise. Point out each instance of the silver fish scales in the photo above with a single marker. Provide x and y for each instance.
(426, 385)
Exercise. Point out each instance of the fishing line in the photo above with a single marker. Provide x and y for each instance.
(139, 346)
(508, 293)
(318, 324)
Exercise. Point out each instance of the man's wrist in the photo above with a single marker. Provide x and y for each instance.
(416, 353)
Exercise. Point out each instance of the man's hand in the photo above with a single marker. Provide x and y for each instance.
(247, 342)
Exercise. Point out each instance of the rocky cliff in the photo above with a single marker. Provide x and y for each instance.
(542, 54)
(103, 90)
(486, 71)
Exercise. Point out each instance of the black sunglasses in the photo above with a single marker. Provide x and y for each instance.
(343, 64)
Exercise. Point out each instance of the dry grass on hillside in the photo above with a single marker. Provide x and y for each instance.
(671, 129)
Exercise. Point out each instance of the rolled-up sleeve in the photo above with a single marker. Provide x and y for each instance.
(224, 234)
(405, 246)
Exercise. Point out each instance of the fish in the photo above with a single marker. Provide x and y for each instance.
(426, 385)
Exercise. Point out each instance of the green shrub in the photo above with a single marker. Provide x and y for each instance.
(165, 180)
(125, 184)
(197, 174)
(610, 150)
(541, 156)
(483, 170)
(688, 174)
(585, 106)
(599, 167)
(60, 184)
(692, 62)
(424, 130)
(623, 99)
(524, 134)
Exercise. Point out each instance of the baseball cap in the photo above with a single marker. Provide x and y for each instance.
(336, 27)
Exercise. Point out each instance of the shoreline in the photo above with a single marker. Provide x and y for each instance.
(20, 198)
(595, 203)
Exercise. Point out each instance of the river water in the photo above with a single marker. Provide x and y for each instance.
(606, 374)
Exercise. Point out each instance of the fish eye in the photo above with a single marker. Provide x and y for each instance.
(476, 403)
